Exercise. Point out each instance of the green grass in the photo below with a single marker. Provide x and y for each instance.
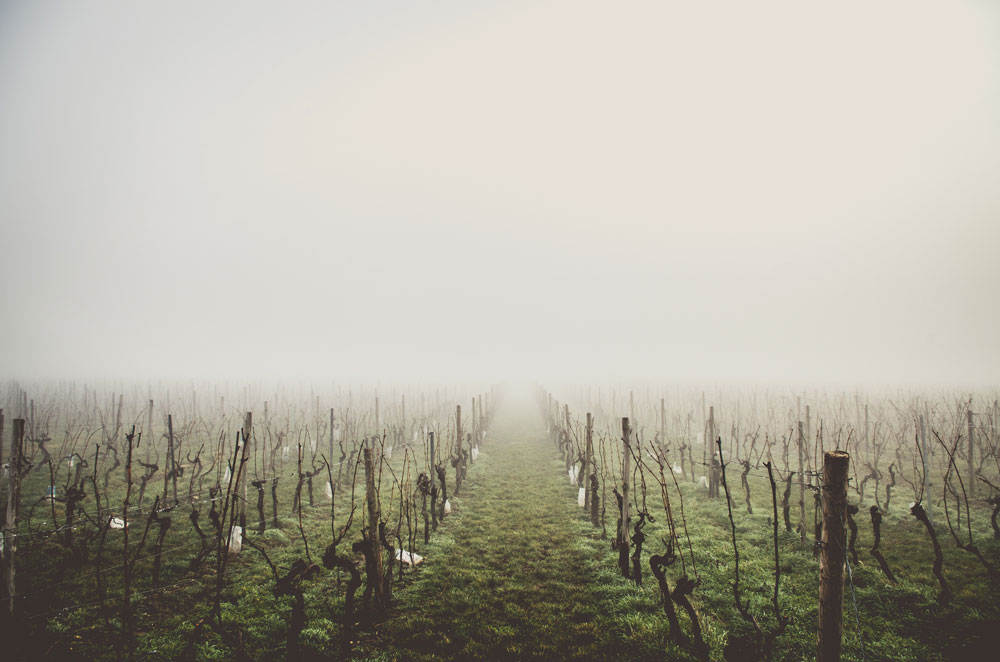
(515, 574)
(518, 573)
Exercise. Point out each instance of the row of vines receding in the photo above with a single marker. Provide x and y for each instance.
(721, 498)
(243, 522)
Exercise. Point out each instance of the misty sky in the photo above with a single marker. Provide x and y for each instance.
(662, 190)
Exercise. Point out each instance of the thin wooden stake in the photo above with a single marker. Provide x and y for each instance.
(626, 474)
(927, 498)
(802, 485)
(587, 465)
(971, 483)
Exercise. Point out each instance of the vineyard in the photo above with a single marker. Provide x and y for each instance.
(601, 523)
(430, 331)
(728, 534)
(133, 532)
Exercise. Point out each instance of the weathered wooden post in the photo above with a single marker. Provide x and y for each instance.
(475, 439)
(626, 474)
(588, 451)
(833, 556)
(568, 447)
(331, 435)
(926, 499)
(704, 431)
(118, 417)
(713, 465)
(802, 485)
(811, 459)
(663, 421)
(479, 439)
(373, 523)
(169, 463)
(13, 501)
(709, 437)
(150, 439)
(971, 482)
(868, 446)
(247, 432)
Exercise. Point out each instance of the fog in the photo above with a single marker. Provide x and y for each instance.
(389, 190)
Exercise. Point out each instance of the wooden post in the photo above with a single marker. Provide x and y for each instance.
(118, 415)
(704, 430)
(810, 458)
(150, 439)
(331, 436)
(458, 428)
(924, 453)
(868, 446)
(568, 450)
(995, 424)
(626, 474)
(834, 554)
(169, 460)
(13, 501)
(971, 482)
(710, 435)
(586, 462)
(247, 433)
(802, 485)
(663, 422)
(431, 435)
(475, 439)
(373, 522)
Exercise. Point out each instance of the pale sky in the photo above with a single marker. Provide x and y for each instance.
(658, 190)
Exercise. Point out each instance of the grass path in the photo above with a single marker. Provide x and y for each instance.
(516, 572)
